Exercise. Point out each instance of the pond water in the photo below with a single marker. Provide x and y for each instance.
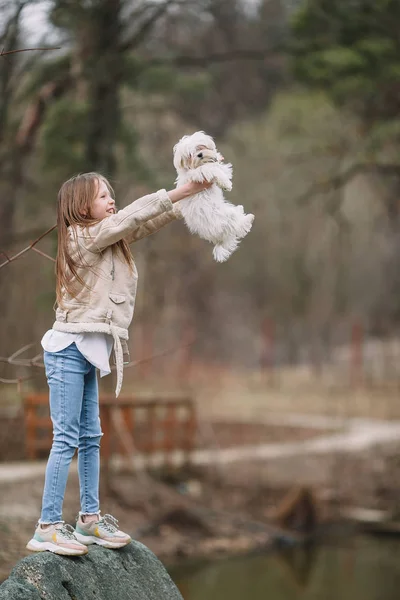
(361, 568)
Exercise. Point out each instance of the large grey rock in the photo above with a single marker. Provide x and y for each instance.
(130, 573)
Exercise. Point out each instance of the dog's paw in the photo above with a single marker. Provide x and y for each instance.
(249, 221)
(246, 226)
(224, 184)
(197, 175)
(220, 253)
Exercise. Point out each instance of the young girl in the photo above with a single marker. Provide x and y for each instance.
(96, 288)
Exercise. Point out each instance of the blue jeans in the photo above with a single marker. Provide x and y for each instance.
(74, 410)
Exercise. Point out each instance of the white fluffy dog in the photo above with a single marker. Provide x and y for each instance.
(208, 213)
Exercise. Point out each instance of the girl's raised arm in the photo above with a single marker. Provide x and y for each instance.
(129, 219)
(154, 225)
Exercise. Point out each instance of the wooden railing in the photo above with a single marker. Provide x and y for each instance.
(131, 425)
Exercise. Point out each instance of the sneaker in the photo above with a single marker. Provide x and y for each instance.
(104, 532)
(59, 538)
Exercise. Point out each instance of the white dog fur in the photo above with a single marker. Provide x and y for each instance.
(207, 213)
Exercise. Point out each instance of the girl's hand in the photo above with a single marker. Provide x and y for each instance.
(188, 189)
(194, 187)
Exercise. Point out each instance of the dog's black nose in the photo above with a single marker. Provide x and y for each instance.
(200, 155)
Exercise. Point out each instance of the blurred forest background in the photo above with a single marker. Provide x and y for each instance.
(302, 97)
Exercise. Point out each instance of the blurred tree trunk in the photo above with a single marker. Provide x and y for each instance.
(9, 167)
(103, 73)
(8, 173)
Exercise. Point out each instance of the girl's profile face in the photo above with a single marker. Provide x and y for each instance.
(103, 204)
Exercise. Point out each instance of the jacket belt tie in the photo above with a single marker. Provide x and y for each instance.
(119, 359)
(118, 334)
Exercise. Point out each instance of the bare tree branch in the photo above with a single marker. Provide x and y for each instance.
(2, 53)
(19, 352)
(139, 35)
(148, 23)
(30, 247)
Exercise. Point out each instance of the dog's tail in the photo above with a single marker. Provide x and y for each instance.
(221, 252)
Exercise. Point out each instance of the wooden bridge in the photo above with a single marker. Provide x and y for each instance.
(132, 425)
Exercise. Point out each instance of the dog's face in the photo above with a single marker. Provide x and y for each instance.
(195, 150)
(203, 155)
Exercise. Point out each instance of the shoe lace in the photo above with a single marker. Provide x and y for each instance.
(109, 523)
(66, 531)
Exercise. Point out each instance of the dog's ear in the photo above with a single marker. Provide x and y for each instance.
(184, 157)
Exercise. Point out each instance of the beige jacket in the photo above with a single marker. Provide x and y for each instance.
(108, 303)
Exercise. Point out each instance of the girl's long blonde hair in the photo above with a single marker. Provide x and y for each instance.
(75, 199)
